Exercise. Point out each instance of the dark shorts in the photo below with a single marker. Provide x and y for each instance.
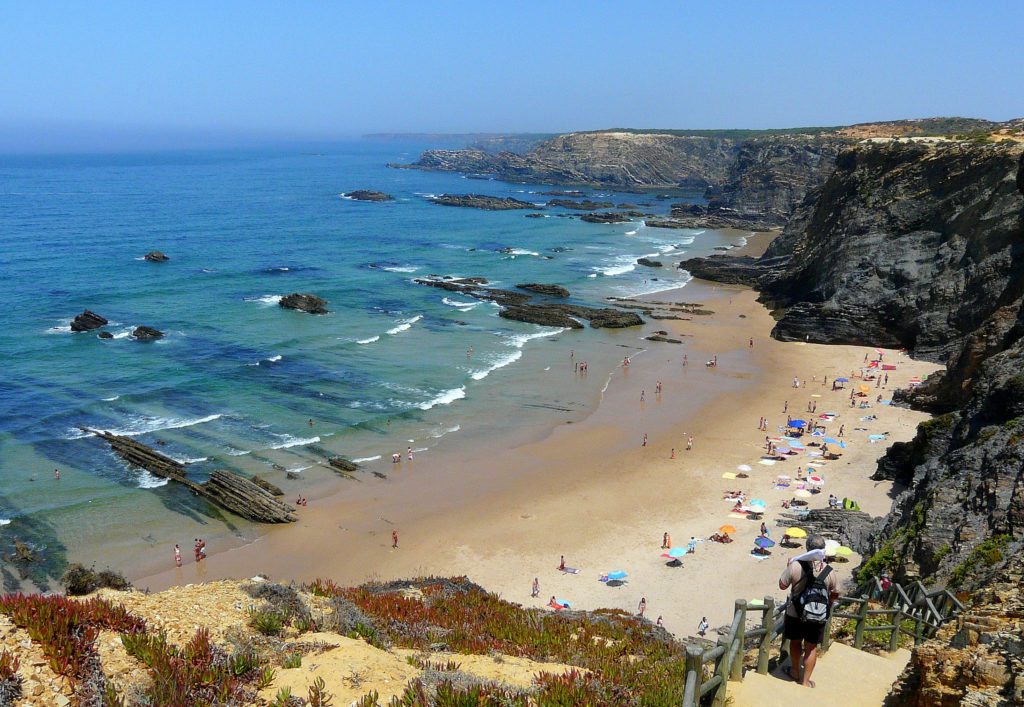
(797, 630)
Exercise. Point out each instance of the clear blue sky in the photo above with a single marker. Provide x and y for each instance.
(136, 73)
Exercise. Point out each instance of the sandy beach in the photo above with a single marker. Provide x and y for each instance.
(591, 491)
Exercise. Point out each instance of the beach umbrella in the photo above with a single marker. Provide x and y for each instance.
(764, 542)
(675, 553)
(802, 493)
(745, 467)
(844, 551)
(757, 502)
(865, 388)
(727, 529)
(617, 574)
(816, 480)
(830, 547)
(797, 423)
(842, 380)
(795, 532)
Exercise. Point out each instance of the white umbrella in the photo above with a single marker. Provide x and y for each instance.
(745, 467)
(830, 547)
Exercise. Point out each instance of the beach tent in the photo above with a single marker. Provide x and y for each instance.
(850, 505)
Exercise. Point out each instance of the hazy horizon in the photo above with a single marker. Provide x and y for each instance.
(127, 77)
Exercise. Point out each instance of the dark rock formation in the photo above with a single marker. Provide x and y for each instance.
(543, 314)
(304, 303)
(605, 217)
(585, 205)
(87, 321)
(558, 192)
(718, 217)
(342, 464)
(481, 201)
(663, 337)
(743, 270)
(155, 256)
(369, 195)
(648, 262)
(235, 493)
(267, 486)
(146, 333)
(613, 319)
(535, 215)
(542, 289)
(105, 335)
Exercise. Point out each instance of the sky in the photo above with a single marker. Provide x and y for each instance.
(92, 76)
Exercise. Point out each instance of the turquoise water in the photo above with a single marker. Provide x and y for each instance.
(237, 379)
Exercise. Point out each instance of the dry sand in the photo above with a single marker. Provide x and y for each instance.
(591, 492)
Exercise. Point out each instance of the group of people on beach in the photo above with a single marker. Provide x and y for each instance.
(199, 548)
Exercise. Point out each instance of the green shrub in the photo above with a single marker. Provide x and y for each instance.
(269, 623)
(292, 660)
(987, 553)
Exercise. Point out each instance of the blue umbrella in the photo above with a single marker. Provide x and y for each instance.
(758, 502)
(617, 574)
(675, 552)
(764, 542)
(842, 380)
(797, 423)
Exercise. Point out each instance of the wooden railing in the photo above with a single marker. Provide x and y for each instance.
(928, 610)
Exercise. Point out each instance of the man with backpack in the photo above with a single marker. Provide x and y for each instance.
(812, 589)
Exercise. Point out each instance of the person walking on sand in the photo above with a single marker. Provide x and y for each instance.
(641, 607)
(841, 428)
(535, 591)
(689, 443)
(177, 555)
(394, 539)
(644, 443)
(764, 530)
(642, 394)
(673, 454)
(702, 627)
(785, 405)
(804, 630)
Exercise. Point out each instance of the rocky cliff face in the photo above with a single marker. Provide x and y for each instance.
(922, 247)
(763, 177)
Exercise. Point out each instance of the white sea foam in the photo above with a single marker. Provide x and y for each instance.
(460, 305)
(275, 359)
(445, 398)
(368, 341)
(5, 521)
(124, 333)
(64, 328)
(405, 325)
(238, 452)
(521, 251)
(500, 362)
(298, 469)
(619, 269)
(147, 480)
(366, 459)
(400, 268)
(110, 400)
(187, 460)
(447, 430)
(290, 441)
(143, 425)
(519, 340)
(267, 300)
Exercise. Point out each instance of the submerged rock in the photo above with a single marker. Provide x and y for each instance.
(368, 195)
(605, 217)
(87, 321)
(304, 303)
(585, 205)
(542, 289)
(342, 464)
(648, 262)
(542, 314)
(146, 333)
(155, 256)
(105, 335)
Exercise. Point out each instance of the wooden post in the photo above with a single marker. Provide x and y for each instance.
(736, 671)
(767, 621)
(722, 671)
(694, 653)
(862, 619)
(918, 637)
(894, 637)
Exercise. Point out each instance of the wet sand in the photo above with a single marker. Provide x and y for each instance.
(590, 491)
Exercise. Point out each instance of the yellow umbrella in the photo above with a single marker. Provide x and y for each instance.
(843, 550)
(865, 389)
(795, 532)
(727, 529)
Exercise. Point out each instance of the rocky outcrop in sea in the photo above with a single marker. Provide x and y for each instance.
(304, 303)
(368, 195)
(155, 256)
(146, 333)
(481, 201)
(87, 321)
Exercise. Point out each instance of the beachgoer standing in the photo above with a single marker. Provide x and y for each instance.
(535, 591)
(702, 627)
(689, 443)
(644, 443)
(841, 428)
(664, 541)
(56, 474)
(394, 539)
(642, 393)
(641, 607)
(785, 405)
(561, 562)
(408, 453)
(691, 547)
(805, 635)
(764, 530)
(673, 454)
(177, 555)
(659, 624)
(751, 343)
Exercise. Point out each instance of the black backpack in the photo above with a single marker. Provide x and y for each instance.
(813, 603)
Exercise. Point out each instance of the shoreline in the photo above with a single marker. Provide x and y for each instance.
(538, 500)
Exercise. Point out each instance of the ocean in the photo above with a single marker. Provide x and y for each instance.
(237, 379)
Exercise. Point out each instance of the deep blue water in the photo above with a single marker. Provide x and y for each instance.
(236, 380)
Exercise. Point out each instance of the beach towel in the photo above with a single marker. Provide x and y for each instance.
(767, 462)
(569, 570)
(728, 475)
(758, 557)
(559, 604)
(888, 367)
(779, 487)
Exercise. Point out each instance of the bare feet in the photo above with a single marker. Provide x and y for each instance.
(809, 683)
(791, 676)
